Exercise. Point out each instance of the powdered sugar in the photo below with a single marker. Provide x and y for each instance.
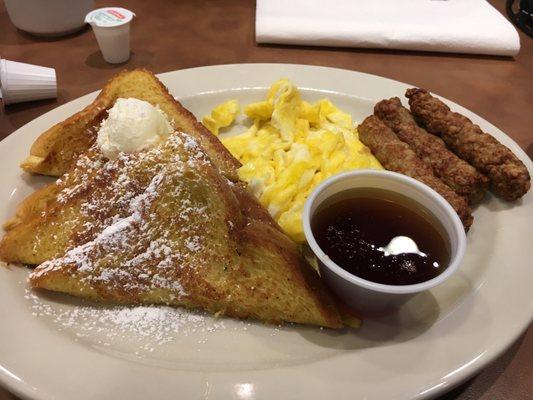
(142, 327)
(193, 243)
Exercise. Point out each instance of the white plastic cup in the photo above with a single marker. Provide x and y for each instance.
(111, 26)
(367, 298)
(21, 82)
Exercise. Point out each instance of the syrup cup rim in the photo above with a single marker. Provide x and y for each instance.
(457, 231)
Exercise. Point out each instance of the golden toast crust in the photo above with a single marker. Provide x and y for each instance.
(239, 262)
(253, 269)
(55, 150)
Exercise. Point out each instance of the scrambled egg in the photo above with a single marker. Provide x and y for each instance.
(290, 148)
(222, 116)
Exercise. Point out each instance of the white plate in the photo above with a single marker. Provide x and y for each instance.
(438, 340)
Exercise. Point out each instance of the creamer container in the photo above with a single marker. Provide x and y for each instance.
(111, 26)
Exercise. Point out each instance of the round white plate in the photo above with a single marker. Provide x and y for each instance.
(54, 347)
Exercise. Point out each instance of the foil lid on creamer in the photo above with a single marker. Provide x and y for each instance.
(109, 17)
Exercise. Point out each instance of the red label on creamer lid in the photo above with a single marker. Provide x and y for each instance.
(116, 14)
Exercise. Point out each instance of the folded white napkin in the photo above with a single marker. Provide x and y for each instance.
(459, 26)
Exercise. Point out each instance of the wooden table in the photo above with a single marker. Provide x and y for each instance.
(168, 36)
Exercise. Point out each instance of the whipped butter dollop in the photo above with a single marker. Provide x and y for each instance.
(132, 125)
(401, 245)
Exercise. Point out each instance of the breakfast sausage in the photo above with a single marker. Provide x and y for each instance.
(397, 156)
(509, 177)
(464, 179)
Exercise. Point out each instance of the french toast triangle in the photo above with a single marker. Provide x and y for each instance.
(55, 150)
(165, 226)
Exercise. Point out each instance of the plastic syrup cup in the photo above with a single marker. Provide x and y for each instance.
(21, 82)
(367, 298)
(111, 26)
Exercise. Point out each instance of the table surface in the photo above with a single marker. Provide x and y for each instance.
(169, 36)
